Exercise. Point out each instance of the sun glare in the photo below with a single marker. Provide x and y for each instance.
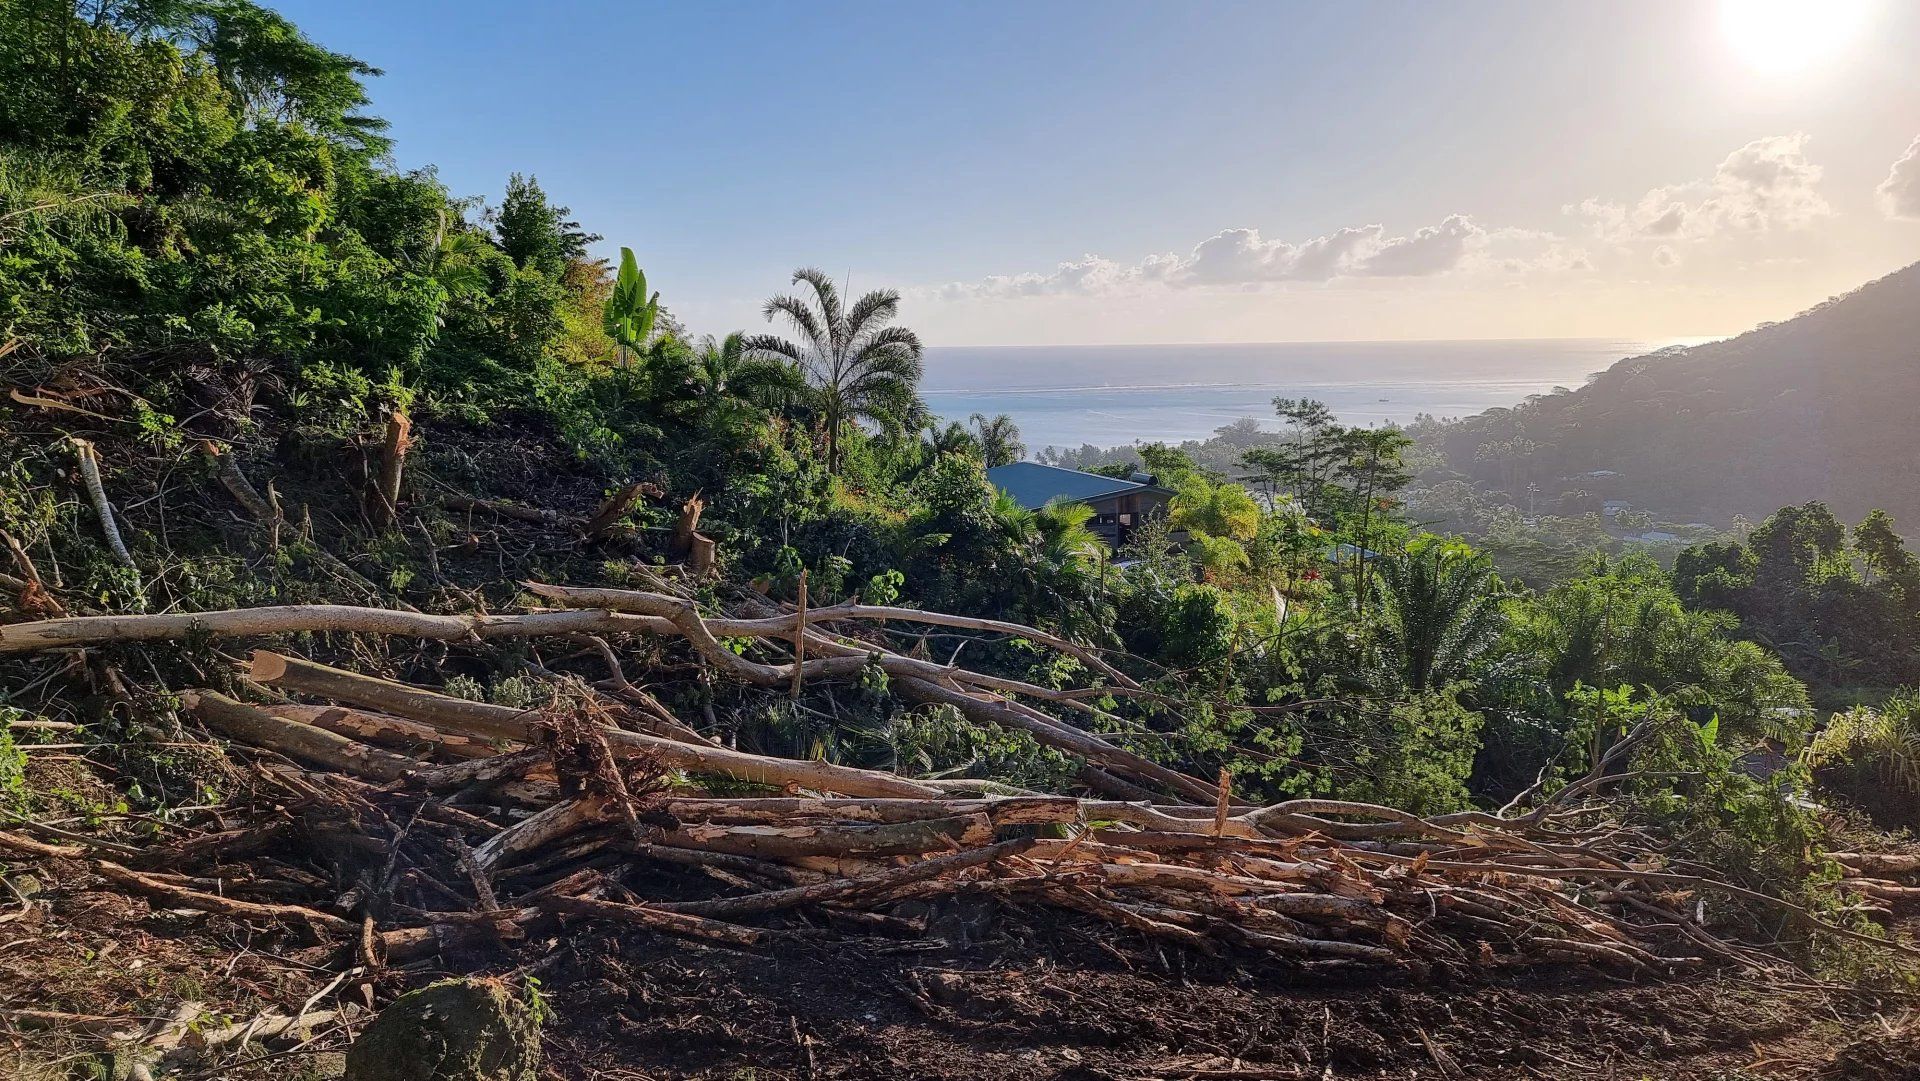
(1779, 37)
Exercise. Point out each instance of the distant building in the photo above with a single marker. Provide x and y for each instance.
(1615, 506)
(1119, 506)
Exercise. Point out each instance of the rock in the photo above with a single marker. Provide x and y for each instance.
(455, 1030)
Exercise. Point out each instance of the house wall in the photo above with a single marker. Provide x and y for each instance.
(1116, 516)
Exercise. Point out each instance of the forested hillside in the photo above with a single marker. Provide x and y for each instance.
(1813, 408)
(390, 586)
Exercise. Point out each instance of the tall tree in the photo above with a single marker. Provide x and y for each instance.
(535, 232)
(729, 382)
(861, 367)
(1375, 468)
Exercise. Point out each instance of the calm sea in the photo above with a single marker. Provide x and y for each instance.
(1115, 394)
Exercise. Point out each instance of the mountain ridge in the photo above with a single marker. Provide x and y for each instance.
(1813, 407)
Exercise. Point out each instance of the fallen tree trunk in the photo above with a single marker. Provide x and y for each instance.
(257, 727)
(658, 919)
(382, 729)
(225, 906)
(867, 888)
(469, 504)
(839, 839)
(613, 599)
(489, 721)
(662, 614)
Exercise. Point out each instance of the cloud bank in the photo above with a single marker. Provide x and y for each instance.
(1767, 184)
(1242, 257)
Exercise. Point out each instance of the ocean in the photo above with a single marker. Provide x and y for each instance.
(1112, 395)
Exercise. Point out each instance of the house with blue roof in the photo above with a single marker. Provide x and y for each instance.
(1119, 504)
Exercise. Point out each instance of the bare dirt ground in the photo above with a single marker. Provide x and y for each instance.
(988, 993)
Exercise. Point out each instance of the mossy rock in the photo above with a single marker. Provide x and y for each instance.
(455, 1030)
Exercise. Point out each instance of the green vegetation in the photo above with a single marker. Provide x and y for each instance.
(202, 245)
(1814, 407)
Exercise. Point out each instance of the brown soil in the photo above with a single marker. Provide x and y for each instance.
(1071, 1002)
(988, 993)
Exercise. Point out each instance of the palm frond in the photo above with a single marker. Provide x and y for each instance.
(825, 294)
(801, 314)
(876, 307)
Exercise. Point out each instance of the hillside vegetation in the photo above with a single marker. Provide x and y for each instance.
(1813, 408)
(578, 636)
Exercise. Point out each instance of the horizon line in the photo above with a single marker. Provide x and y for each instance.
(1655, 342)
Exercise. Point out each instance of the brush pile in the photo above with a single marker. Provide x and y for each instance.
(403, 822)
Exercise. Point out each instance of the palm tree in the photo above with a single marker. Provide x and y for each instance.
(727, 371)
(860, 367)
(999, 439)
(1441, 604)
(952, 439)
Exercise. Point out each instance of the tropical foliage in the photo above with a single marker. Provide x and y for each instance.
(203, 241)
(861, 367)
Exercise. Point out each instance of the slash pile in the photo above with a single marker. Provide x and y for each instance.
(405, 822)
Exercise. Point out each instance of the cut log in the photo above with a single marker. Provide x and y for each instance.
(557, 821)
(868, 888)
(386, 730)
(836, 839)
(489, 721)
(225, 906)
(257, 727)
(656, 919)
(470, 504)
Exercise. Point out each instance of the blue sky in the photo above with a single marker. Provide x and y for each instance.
(963, 152)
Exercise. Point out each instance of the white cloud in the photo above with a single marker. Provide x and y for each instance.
(1767, 184)
(1435, 249)
(1242, 257)
(1900, 191)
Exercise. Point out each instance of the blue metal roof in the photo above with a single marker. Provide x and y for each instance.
(1033, 485)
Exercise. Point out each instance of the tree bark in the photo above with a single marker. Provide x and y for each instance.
(259, 728)
(503, 723)
(612, 509)
(867, 888)
(97, 492)
(384, 507)
(384, 730)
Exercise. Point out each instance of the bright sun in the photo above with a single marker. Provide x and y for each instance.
(1784, 36)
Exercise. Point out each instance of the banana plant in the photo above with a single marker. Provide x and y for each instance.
(629, 312)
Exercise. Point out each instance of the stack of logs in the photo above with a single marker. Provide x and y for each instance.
(455, 822)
